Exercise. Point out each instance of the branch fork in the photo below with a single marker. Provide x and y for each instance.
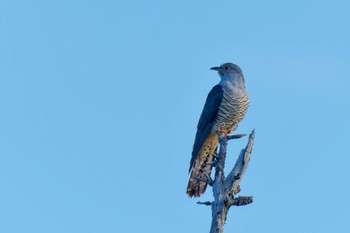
(224, 189)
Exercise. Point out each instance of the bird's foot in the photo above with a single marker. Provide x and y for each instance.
(226, 132)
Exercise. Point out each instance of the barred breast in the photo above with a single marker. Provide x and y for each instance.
(232, 110)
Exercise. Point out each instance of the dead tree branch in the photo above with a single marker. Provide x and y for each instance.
(225, 189)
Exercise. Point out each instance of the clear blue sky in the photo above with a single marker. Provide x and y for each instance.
(100, 100)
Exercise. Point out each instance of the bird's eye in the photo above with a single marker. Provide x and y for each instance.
(226, 68)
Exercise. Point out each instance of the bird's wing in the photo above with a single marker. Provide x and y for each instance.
(206, 120)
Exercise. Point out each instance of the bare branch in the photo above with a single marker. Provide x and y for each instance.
(239, 201)
(218, 207)
(224, 189)
(236, 175)
(204, 203)
(209, 180)
(215, 155)
(236, 136)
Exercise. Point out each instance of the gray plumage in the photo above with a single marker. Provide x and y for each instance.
(225, 107)
(207, 119)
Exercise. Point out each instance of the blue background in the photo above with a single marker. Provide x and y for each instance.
(100, 101)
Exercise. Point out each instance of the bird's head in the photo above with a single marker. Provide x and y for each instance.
(230, 75)
(228, 70)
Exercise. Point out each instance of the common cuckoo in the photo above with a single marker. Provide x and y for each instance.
(224, 108)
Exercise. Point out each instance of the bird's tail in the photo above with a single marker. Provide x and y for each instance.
(202, 167)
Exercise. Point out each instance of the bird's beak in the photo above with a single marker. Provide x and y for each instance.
(215, 68)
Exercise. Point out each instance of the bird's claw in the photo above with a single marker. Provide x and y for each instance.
(226, 132)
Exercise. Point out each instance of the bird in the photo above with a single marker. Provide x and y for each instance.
(225, 107)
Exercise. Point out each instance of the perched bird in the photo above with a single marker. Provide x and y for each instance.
(224, 108)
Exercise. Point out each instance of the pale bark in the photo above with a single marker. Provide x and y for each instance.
(224, 189)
